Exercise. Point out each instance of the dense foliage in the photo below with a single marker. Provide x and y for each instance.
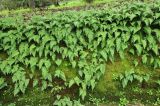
(34, 51)
(13, 4)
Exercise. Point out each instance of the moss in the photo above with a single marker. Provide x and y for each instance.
(109, 80)
(69, 72)
(3, 55)
(34, 97)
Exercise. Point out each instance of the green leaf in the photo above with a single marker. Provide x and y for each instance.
(77, 80)
(147, 30)
(35, 82)
(102, 68)
(2, 83)
(15, 53)
(40, 64)
(118, 44)
(117, 34)
(150, 39)
(71, 82)
(53, 57)
(139, 78)
(33, 61)
(146, 77)
(144, 43)
(121, 53)
(73, 64)
(57, 73)
(144, 59)
(58, 62)
(44, 72)
(139, 49)
(49, 77)
(16, 90)
(26, 82)
(32, 47)
(131, 51)
(47, 64)
(82, 93)
(93, 83)
(60, 74)
(124, 83)
(83, 54)
(45, 39)
(135, 63)
(155, 49)
(104, 55)
(44, 85)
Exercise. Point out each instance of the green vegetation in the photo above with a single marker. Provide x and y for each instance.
(124, 72)
(17, 11)
(10, 4)
(106, 51)
(123, 102)
(66, 4)
(75, 3)
(66, 102)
